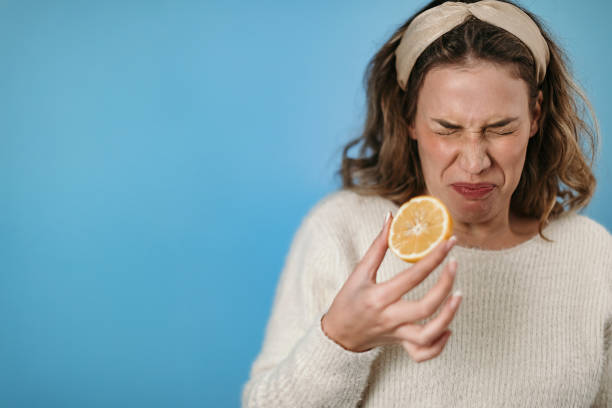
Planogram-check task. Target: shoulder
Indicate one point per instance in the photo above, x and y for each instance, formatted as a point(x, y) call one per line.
point(341, 209)
point(583, 227)
point(348, 220)
point(583, 240)
point(325, 217)
point(336, 202)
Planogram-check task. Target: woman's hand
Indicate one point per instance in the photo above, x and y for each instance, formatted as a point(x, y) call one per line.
point(365, 314)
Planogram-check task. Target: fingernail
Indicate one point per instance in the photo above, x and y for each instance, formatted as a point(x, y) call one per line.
point(456, 298)
point(387, 218)
point(451, 242)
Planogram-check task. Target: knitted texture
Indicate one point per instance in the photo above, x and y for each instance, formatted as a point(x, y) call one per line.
point(534, 328)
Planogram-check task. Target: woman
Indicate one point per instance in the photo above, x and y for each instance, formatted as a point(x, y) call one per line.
point(470, 102)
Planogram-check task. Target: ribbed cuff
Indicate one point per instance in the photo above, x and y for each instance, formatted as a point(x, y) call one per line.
point(317, 373)
point(333, 359)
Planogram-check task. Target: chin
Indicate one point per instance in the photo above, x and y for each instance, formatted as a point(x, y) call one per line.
point(471, 211)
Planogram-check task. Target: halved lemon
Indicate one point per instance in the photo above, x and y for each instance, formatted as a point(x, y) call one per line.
point(419, 225)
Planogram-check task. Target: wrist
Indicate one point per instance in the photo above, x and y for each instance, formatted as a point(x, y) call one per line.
point(327, 334)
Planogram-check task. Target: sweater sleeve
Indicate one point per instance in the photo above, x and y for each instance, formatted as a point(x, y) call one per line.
point(298, 365)
point(604, 395)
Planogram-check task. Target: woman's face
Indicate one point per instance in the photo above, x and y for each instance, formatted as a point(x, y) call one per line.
point(472, 125)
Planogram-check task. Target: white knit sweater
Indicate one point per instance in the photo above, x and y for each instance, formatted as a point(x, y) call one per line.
point(534, 328)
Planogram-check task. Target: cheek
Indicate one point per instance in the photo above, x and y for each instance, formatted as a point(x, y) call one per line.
point(511, 157)
point(434, 151)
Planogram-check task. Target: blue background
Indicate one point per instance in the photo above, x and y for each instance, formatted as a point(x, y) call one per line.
point(156, 158)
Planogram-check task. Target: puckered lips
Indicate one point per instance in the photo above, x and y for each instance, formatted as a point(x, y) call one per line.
point(471, 190)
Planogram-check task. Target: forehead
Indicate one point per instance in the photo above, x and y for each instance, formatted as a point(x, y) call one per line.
point(473, 92)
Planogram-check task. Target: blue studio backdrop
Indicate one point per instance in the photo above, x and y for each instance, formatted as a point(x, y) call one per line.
point(156, 158)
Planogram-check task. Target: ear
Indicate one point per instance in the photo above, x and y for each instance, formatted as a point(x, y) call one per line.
point(411, 131)
point(537, 113)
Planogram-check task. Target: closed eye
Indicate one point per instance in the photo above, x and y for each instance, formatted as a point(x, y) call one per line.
point(450, 133)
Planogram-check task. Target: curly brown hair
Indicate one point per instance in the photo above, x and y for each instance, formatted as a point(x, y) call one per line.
point(388, 163)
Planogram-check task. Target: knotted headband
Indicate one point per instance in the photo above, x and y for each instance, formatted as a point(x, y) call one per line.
point(433, 23)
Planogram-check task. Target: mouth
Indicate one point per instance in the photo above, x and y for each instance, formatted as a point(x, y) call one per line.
point(473, 190)
point(475, 186)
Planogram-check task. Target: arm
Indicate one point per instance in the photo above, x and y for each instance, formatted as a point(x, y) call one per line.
point(299, 366)
point(604, 395)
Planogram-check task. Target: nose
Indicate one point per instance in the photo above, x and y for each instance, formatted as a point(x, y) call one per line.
point(473, 157)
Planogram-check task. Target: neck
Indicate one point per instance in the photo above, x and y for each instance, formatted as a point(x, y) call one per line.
point(497, 233)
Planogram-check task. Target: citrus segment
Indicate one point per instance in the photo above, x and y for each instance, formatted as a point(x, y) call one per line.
point(419, 225)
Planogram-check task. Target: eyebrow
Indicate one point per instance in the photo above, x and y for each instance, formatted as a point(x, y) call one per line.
point(500, 123)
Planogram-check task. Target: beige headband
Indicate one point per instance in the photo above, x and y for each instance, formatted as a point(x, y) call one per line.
point(433, 23)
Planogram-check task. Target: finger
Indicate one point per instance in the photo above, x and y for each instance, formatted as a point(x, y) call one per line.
point(422, 335)
point(433, 328)
point(376, 253)
point(420, 354)
point(409, 311)
point(403, 282)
